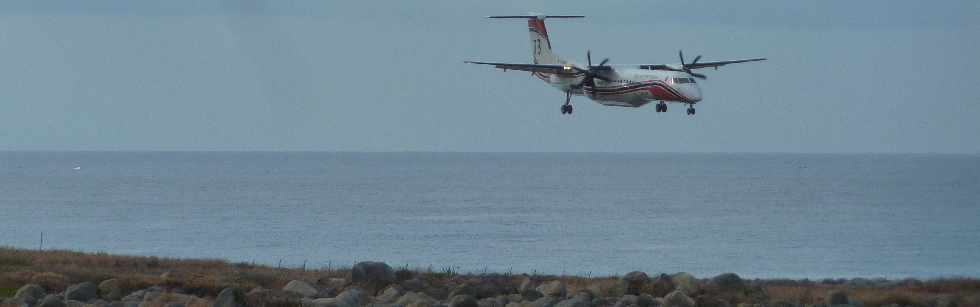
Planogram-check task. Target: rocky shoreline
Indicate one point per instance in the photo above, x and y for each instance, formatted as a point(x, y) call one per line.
point(70, 279)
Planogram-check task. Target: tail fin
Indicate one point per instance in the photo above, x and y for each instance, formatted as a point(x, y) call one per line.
point(540, 43)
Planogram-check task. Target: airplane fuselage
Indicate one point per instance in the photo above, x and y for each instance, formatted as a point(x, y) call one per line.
point(629, 86)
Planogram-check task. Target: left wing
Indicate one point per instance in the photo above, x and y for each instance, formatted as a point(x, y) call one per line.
point(542, 68)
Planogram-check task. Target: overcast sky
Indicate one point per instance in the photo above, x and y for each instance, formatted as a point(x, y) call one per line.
point(843, 76)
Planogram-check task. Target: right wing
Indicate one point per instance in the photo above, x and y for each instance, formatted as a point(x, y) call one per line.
point(720, 63)
point(542, 68)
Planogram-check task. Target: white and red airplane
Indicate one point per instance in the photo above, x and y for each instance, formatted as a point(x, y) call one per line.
point(611, 85)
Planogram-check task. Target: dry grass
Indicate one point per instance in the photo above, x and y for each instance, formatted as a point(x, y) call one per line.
point(910, 293)
point(55, 270)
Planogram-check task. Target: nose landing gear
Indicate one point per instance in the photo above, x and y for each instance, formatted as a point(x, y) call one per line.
point(661, 107)
point(690, 109)
point(567, 107)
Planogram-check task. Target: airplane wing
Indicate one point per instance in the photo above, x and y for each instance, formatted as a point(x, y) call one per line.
point(720, 63)
point(543, 68)
point(697, 65)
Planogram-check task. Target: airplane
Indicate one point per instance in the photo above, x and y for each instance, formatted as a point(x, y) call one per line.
point(610, 85)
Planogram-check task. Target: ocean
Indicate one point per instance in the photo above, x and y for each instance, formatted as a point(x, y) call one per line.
point(758, 215)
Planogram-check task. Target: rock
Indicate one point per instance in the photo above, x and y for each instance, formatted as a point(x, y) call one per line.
point(123, 304)
point(331, 282)
point(685, 282)
point(466, 288)
point(267, 297)
point(370, 272)
point(74, 303)
point(463, 300)
point(51, 300)
point(50, 281)
point(948, 301)
point(499, 301)
point(554, 288)
point(350, 298)
point(546, 301)
point(29, 294)
point(142, 295)
point(661, 286)
point(628, 300)
point(710, 301)
point(230, 297)
point(300, 287)
point(531, 295)
point(577, 301)
point(678, 299)
point(415, 299)
point(727, 282)
point(646, 300)
point(111, 289)
point(414, 285)
point(389, 294)
point(836, 297)
point(526, 284)
point(633, 282)
point(82, 292)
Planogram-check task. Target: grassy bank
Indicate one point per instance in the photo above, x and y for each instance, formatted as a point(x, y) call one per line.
point(57, 270)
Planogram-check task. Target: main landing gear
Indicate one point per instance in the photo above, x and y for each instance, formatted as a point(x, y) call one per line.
point(661, 107)
point(690, 109)
point(567, 107)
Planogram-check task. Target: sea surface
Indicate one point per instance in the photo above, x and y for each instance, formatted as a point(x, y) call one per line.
point(758, 215)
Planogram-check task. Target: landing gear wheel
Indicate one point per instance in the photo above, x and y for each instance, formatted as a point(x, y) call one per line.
point(570, 109)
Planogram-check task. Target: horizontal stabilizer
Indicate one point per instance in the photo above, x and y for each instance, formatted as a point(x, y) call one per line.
point(534, 16)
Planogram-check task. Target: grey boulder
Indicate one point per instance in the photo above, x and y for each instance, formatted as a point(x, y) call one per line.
point(372, 272)
point(633, 282)
point(111, 289)
point(230, 297)
point(51, 300)
point(463, 300)
point(678, 299)
point(29, 294)
point(685, 282)
point(82, 292)
point(301, 288)
point(415, 299)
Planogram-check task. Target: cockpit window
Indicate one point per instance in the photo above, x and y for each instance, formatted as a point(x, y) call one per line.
point(683, 80)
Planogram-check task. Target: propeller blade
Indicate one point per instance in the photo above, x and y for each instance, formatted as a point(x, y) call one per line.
point(588, 55)
point(604, 61)
point(697, 75)
point(696, 59)
point(680, 53)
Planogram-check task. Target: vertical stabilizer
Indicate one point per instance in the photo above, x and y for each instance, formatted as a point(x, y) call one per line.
point(540, 43)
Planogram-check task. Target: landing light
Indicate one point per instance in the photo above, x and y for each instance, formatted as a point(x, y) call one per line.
point(566, 67)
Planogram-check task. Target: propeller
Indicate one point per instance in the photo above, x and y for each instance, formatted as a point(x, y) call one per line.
point(592, 72)
point(685, 67)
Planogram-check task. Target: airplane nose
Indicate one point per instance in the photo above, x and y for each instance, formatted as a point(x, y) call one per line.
point(694, 93)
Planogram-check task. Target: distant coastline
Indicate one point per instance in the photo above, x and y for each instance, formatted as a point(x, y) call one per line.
point(59, 278)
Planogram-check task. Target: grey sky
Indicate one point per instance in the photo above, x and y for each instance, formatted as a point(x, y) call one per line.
point(843, 76)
